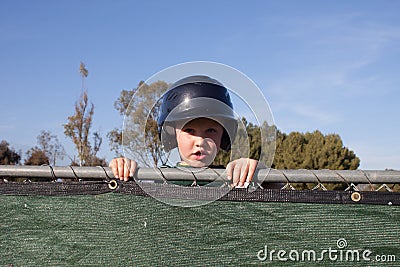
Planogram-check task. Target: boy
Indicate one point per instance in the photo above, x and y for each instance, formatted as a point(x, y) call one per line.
point(197, 117)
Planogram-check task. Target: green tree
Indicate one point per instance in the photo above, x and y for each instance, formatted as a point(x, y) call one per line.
point(313, 151)
point(289, 152)
point(8, 156)
point(248, 140)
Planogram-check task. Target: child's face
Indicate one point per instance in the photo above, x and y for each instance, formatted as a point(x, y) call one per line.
point(199, 141)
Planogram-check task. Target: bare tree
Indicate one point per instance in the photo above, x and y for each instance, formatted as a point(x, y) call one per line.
point(51, 146)
point(79, 126)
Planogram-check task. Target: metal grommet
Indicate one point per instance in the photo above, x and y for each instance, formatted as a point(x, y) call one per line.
point(355, 196)
point(112, 184)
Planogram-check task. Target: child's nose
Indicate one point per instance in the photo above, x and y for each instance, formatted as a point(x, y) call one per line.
point(199, 141)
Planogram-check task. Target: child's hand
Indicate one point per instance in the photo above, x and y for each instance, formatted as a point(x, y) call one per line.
point(123, 168)
point(241, 171)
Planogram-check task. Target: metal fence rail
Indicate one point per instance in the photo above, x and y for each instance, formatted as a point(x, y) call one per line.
point(162, 174)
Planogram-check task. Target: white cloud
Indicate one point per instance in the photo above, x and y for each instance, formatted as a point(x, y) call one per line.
point(314, 114)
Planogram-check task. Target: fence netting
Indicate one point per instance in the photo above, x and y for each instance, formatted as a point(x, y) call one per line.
point(98, 223)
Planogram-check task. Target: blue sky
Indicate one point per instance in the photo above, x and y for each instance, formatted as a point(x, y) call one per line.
point(326, 65)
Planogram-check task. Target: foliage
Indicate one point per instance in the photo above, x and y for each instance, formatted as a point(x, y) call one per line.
point(82, 70)
point(78, 129)
point(313, 151)
point(121, 105)
point(37, 156)
point(8, 156)
point(249, 141)
point(84, 73)
point(51, 146)
point(140, 133)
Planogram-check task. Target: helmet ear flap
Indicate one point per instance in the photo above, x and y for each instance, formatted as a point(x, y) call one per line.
point(228, 135)
point(225, 142)
point(168, 136)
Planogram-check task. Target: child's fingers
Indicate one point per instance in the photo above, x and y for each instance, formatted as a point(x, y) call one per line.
point(251, 170)
point(236, 170)
point(229, 169)
point(236, 174)
point(241, 171)
point(127, 167)
point(121, 168)
point(114, 167)
point(233, 172)
point(244, 171)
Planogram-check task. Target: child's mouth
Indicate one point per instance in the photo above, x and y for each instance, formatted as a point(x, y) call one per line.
point(198, 155)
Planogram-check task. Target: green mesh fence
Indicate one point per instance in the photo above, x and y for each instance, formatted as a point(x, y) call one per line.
point(126, 230)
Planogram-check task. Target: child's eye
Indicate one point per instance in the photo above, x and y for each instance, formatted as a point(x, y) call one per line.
point(211, 130)
point(188, 130)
